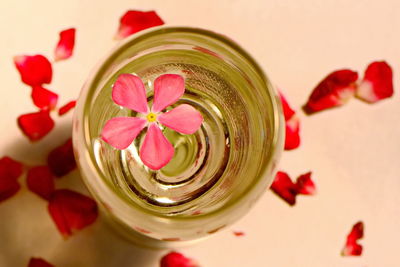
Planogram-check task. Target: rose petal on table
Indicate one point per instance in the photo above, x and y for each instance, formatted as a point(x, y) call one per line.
point(71, 211)
point(9, 186)
point(168, 88)
point(67, 107)
point(34, 70)
point(39, 262)
point(335, 90)
point(65, 46)
point(288, 112)
point(292, 138)
point(284, 187)
point(305, 185)
point(238, 233)
point(44, 98)
point(183, 119)
point(377, 83)
point(352, 248)
point(40, 181)
point(10, 168)
point(176, 259)
point(61, 160)
point(134, 21)
point(36, 125)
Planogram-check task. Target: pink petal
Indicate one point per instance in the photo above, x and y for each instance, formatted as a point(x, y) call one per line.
point(168, 88)
point(43, 98)
point(128, 91)
point(121, 131)
point(65, 45)
point(184, 119)
point(377, 83)
point(156, 150)
point(34, 70)
point(292, 139)
point(134, 21)
point(305, 185)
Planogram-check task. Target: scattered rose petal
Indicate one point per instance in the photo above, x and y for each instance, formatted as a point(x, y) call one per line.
point(8, 187)
point(284, 187)
point(65, 46)
point(39, 262)
point(134, 21)
point(292, 138)
point(176, 259)
point(43, 98)
point(377, 83)
point(183, 119)
point(238, 233)
point(352, 248)
point(34, 70)
point(36, 125)
point(67, 107)
point(168, 88)
point(71, 211)
point(305, 185)
point(10, 168)
point(128, 91)
point(40, 180)
point(61, 160)
point(288, 112)
point(335, 90)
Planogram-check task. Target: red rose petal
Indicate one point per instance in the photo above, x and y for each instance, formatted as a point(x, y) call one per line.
point(40, 180)
point(8, 187)
point(39, 262)
point(71, 211)
point(377, 83)
point(134, 21)
point(61, 160)
point(335, 90)
point(65, 46)
point(176, 259)
point(305, 185)
point(288, 112)
point(292, 138)
point(10, 168)
point(36, 125)
point(238, 233)
point(67, 107)
point(284, 187)
point(34, 70)
point(352, 248)
point(43, 98)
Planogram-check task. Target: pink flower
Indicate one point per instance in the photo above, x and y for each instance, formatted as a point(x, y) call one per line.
point(129, 91)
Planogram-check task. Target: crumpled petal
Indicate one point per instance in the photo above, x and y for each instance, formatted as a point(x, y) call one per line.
point(39, 262)
point(352, 248)
point(285, 188)
point(40, 181)
point(128, 91)
point(377, 83)
point(10, 168)
point(65, 45)
point(305, 185)
point(292, 138)
point(71, 211)
point(134, 21)
point(176, 259)
point(184, 119)
point(120, 132)
point(43, 98)
point(36, 125)
point(168, 88)
point(67, 107)
point(61, 160)
point(156, 150)
point(34, 70)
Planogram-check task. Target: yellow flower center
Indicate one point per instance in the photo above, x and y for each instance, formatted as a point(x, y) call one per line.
point(151, 117)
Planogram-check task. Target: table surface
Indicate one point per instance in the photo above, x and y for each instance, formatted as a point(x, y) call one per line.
point(353, 151)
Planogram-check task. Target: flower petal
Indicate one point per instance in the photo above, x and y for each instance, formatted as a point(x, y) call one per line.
point(40, 180)
point(61, 160)
point(335, 90)
point(36, 125)
point(288, 112)
point(134, 21)
point(168, 88)
point(156, 150)
point(238, 233)
point(71, 211)
point(43, 98)
point(184, 119)
point(377, 83)
point(284, 187)
point(305, 185)
point(128, 91)
point(65, 46)
point(10, 168)
point(67, 107)
point(39, 262)
point(121, 131)
point(352, 248)
point(292, 138)
point(176, 259)
point(34, 70)
point(8, 187)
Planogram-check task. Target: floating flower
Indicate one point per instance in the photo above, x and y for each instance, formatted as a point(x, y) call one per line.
point(129, 91)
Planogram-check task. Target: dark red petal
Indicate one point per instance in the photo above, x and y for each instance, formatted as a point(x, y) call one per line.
point(40, 180)
point(335, 90)
point(67, 107)
point(10, 168)
point(377, 83)
point(36, 125)
point(288, 112)
point(65, 46)
point(39, 262)
point(284, 187)
point(176, 259)
point(61, 160)
point(352, 248)
point(305, 185)
point(292, 138)
point(43, 98)
point(8, 187)
point(134, 21)
point(238, 233)
point(71, 211)
point(34, 70)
